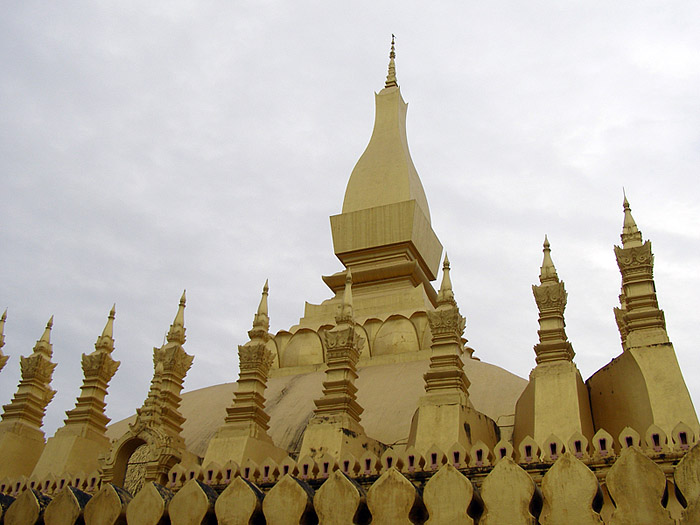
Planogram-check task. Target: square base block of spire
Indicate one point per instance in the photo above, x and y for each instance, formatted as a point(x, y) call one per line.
point(555, 401)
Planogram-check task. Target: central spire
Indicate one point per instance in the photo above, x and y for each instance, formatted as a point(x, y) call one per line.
point(385, 173)
point(383, 233)
point(391, 75)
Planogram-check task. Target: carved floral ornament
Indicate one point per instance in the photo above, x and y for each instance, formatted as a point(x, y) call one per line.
point(446, 321)
point(254, 355)
point(36, 367)
point(343, 338)
point(173, 359)
point(638, 257)
point(550, 297)
point(99, 364)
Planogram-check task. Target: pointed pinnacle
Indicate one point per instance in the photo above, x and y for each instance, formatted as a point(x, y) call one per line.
point(446, 295)
point(261, 320)
point(108, 329)
point(547, 271)
point(105, 342)
point(345, 312)
point(43, 345)
point(631, 236)
point(262, 307)
point(176, 334)
point(347, 293)
point(2, 332)
point(391, 75)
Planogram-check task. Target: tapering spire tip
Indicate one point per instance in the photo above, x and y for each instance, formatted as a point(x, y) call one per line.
point(391, 75)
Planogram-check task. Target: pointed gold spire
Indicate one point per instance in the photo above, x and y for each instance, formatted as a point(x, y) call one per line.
point(176, 334)
point(2, 328)
point(345, 313)
point(43, 345)
point(550, 296)
point(631, 236)
point(262, 319)
point(3, 358)
point(548, 273)
point(105, 342)
point(446, 295)
point(391, 75)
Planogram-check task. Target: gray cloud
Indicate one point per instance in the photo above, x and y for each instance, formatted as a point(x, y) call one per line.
point(203, 145)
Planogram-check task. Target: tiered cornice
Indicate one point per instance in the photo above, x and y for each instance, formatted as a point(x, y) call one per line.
point(639, 318)
point(550, 296)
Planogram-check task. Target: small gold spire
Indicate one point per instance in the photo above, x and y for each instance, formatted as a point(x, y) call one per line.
point(176, 334)
point(262, 319)
point(345, 312)
point(631, 236)
point(547, 271)
point(2, 328)
point(43, 345)
point(391, 75)
point(105, 341)
point(446, 295)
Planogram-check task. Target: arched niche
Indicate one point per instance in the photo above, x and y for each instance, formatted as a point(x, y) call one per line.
point(123, 459)
point(397, 335)
point(304, 348)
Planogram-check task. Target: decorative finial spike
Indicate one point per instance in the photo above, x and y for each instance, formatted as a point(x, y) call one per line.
point(2, 336)
point(262, 307)
point(109, 327)
point(547, 271)
point(347, 294)
point(105, 342)
point(631, 236)
point(43, 345)
point(446, 295)
point(345, 311)
point(391, 75)
point(261, 321)
point(176, 334)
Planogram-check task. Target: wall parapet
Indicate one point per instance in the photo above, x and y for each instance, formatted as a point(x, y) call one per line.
point(633, 484)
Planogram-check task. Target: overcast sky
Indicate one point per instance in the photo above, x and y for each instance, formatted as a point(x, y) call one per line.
point(148, 147)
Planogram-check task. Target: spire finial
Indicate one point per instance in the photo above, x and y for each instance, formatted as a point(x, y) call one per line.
point(391, 75)
point(262, 319)
point(2, 330)
point(176, 334)
point(105, 342)
point(345, 312)
point(43, 345)
point(547, 271)
point(631, 236)
point(446, 295)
